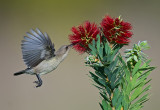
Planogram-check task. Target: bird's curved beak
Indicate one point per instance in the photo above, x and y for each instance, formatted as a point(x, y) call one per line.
point(71, 45)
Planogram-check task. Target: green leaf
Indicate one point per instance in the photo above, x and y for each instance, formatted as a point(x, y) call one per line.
point(129, 59)
point(95, 78)
point(129, 88)
point(146, 89)
point(144, 102)
point(108, 90)
point(105, 97)
point(111, 56)
point(113, 78)
point(125, 69)
point(101, 52)
point(108, 73)
point(147, 81)
point(113, 64)
point(136, 93)
point(141, 80)
point(147, 62)
point(93, 49)
point(137, 66)
point(116, 51)
point(115, 97)
point(126, 97)
point(100, 75)
point(144, 45)
point(139, 101)
point(135, 58)
point(106, 106)
point(125, 102)
point(118, 81)
point(101, 106)
point(103, 82)
point(93, 75)
point(109, 107)
point(145, 74)
point(93, 43)
point(146, 68)
point(137, 107)
point(105, 60)
point(107, 49)
point(98, 42)
point(118, 105)
point(97, 86)
point(135, 81)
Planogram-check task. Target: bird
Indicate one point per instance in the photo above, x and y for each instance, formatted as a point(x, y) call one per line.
point(40, 56)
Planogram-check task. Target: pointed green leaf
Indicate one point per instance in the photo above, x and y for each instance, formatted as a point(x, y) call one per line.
point(97, 86)
point(113, 64)
point(118, 105)
point(146, 68)
point(95, 78)
point(114, 78)
point(93, 43)
point(134, 80)
point(129, 88)
point(107, 49)
point(115, 97)
point(98, 43)
point(129, 59)
point(136, 93)
point(106, 106)
point(140, 100)
point(146, 89)
point(108, 90)
point(135, 58)
point(100, 75)
point(108, 73)
point(102, 81)
point(137, 66)
point(101, 106)
point(101, 52)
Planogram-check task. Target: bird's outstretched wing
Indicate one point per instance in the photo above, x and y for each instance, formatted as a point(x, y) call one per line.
point(36, 47)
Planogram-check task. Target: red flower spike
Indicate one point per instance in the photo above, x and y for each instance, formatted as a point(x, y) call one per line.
point(116, 30)
point(83, 35)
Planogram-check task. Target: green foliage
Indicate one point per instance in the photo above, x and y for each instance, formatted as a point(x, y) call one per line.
point(135, 87)
point(122, 86)
point(136, 54)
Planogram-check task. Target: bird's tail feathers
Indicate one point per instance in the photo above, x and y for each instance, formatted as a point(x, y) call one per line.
point(19, 73)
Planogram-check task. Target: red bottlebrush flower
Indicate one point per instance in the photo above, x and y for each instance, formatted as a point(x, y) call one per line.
point(83, 35)
point(116, 30)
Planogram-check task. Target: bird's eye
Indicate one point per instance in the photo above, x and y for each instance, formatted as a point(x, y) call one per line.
point(66, 47)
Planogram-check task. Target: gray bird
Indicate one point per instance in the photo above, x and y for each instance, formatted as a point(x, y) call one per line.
point(39, 54)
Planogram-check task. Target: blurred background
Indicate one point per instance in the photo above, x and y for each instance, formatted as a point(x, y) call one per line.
point(68, 87)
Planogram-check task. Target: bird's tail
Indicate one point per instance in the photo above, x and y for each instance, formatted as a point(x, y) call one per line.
point(19, 73)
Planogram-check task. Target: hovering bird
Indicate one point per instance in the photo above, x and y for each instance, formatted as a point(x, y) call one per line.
point(39, 54)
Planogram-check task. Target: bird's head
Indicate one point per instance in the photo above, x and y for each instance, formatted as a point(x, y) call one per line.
point(63, 50)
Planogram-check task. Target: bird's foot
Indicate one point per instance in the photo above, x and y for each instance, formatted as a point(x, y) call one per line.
point(39, 82)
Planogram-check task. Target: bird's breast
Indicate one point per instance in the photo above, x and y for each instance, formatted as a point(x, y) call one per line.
point(47, 66)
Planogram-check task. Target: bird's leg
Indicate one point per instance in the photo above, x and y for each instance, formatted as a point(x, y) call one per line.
point(39, 82)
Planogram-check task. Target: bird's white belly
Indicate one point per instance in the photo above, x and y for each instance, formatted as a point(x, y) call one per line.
point(46, 66)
